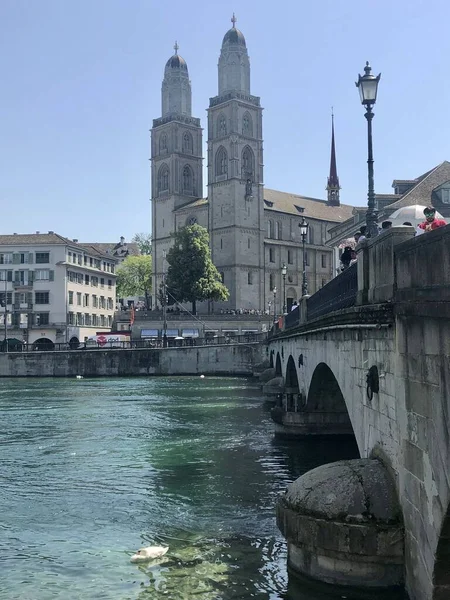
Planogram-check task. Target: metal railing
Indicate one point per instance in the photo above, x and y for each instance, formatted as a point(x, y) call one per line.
point(48, 346)
point(123, 316)
point(339, 293)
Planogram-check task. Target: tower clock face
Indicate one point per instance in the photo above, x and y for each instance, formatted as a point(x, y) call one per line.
point(192, 220)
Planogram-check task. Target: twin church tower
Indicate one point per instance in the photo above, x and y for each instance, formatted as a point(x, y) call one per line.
point(234, 210)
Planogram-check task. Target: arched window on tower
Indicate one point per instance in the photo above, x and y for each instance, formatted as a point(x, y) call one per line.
point(221, 126)
point(247, 125)
point(187, 143)
point(270, 229)
point(163, 143)
point(163, 179)
point(248, 164)
point(221, 161)
point(188, 181)
point(278, 231)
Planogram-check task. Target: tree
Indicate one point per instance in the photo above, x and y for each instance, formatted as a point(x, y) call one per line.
point(144, 242)
point(134, 277)
point(191, 275)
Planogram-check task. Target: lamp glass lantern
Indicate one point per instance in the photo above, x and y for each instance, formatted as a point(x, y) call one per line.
point(368, 86)
point(284, 270)
point(304, 228)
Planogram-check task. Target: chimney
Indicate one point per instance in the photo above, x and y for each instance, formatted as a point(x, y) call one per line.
point(75, 240)
point(122, 240)
point(51, 232)
point(38, 232)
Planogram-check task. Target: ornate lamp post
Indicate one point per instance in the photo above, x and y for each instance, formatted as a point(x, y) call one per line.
point(283, 272)
point(368, 86)
point(304, 232)
point(269, 304)
point(274, 303)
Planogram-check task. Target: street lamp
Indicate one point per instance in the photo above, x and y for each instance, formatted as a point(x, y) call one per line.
point(269, 304)
point(283, 272)
point(304, 232)
point(368, 86)
point(274, 303)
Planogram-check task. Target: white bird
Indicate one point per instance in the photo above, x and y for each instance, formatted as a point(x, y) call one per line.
point(149, 553)
point(79, 376)
point(202, 377)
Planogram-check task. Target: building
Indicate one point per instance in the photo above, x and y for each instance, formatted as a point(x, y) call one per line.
point(253, 230)
point(430, 188)
point(56, 290)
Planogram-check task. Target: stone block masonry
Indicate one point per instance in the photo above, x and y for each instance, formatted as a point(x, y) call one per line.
point(238, 360)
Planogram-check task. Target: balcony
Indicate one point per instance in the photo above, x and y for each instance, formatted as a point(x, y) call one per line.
point(22, 285)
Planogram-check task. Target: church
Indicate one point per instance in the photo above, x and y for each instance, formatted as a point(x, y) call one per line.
point(254, 231)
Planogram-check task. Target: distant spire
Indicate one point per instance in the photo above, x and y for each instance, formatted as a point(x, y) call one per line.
point(233, 20)
point(176, 47)
point(333, 186)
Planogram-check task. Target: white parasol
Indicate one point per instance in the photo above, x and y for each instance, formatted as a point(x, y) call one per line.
point(410, 214)
point(348, 242)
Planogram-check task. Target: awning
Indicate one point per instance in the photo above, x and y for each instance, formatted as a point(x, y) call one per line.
point(171, 333)
point(149, 333)
point(250, 331)
point(190, 333)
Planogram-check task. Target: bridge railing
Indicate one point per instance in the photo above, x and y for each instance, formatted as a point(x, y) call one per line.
point(340, 292)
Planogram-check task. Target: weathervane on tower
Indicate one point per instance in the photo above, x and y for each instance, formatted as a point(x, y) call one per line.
point(233, 20)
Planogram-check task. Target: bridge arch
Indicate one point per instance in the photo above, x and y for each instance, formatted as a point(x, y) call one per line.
point(441, 574)
point(278, 369)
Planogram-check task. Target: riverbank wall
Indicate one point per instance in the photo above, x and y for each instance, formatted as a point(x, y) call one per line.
point(239, 359)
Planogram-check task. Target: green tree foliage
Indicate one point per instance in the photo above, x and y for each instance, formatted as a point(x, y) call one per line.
point(134, 277)
point(144, 242)
point(191, 275)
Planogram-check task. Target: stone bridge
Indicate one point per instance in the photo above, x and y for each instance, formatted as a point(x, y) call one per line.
point(369, 355)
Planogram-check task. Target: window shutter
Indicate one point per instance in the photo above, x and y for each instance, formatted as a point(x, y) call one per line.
point(30, 276)
point(16, 277)
point(16, 259)
point(30, 258)
point(51, 275)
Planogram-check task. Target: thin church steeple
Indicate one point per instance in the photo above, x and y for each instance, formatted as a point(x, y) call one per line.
point(333, 186)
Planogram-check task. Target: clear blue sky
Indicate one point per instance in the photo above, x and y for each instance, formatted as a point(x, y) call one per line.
point(81, 84)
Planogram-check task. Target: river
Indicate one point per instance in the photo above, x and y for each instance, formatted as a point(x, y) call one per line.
point(93, 469)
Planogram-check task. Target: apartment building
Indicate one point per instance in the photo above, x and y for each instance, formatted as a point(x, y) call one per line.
point(54, 290)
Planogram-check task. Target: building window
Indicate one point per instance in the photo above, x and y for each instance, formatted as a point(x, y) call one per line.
point(42, 318)
point(310, 236)
point(86, 280)
point(221, 126)
point(248, 243)
point(271, 254)
point(248, 163)
point(102, 282)
point(109, 284)
point(324, 261)
point(221, 161)
point(270, 229)
point(307, 259)
point(250, 278)
point(6, 275)
point(278, 231)
point(110, 304)
point(86, 300)
point(87, 319)
point(78, 298)
point(188, 181)
point(221, 243)
point(8, 298)
point(163, 143)
point(94, 301)
point(247, 125)
point(163, 179)
point(290, 261)
point(6, 258)
point(70, 297)
point(94, 320)
point(222, 276)
point(42, 298)
point(187, 143)
point(42, 275)
point(94, 281)
point(271, 281)
point(42, 258)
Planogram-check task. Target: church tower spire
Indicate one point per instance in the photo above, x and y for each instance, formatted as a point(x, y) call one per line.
point(234, 64)
point(333, 186)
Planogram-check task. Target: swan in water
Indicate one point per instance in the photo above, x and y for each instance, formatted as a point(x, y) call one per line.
point(149, 553)
point(79, 376)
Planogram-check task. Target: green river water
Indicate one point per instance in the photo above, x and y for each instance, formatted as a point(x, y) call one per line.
point(93, 469)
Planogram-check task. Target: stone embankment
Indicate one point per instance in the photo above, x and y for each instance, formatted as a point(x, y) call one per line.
point(238, 360)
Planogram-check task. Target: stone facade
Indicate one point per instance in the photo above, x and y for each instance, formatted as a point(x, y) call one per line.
point(253, 231)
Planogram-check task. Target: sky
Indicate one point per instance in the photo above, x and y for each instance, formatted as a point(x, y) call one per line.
point(81, 83)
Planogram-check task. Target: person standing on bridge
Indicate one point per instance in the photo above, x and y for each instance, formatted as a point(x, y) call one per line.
point(430, 222)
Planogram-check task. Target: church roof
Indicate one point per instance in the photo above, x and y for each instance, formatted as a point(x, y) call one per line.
point(114, 248)
point(312, 208)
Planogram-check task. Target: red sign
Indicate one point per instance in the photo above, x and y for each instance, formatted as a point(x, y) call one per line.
point(101, 340)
